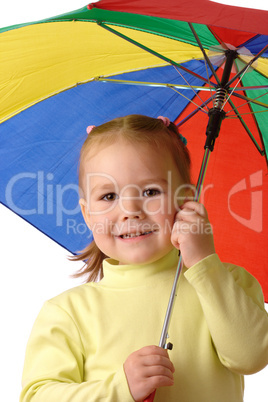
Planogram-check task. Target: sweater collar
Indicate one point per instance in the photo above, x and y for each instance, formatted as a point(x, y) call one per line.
point(127, 276)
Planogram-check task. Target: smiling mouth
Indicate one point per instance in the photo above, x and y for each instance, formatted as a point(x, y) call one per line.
point(133, 235)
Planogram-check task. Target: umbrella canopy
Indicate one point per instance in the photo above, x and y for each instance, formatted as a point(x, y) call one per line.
point(114, 58)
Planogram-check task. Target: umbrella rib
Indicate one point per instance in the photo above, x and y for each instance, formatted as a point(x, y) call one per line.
point(192, 87)
point(261, 151)
point(212, 97)
point(192, 113)
point(244, 114)
point(150, 84)
point(190, 100)
point(247, 66)
point(166, 59)
point(249, 88)
point(204, 54)
point(249, 101)
point(233, 89)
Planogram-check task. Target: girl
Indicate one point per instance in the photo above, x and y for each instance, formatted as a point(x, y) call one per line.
point(96, 342)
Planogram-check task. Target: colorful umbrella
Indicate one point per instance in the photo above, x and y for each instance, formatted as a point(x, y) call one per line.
point(114, 58)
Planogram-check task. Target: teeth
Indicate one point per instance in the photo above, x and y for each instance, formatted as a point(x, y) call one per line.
point(130, 235)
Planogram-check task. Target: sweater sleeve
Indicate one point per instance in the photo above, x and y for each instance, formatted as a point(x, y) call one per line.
point(232, 302)
point(53, 369)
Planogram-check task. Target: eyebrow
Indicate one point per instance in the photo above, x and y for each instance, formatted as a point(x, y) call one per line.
point(106, 186)
point(111, 187)
point(154, 180)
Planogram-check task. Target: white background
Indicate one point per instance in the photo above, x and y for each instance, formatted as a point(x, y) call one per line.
point(34, 268)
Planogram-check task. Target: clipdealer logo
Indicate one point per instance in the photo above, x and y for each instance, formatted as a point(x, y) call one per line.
point(48, 199)
point(255, 221)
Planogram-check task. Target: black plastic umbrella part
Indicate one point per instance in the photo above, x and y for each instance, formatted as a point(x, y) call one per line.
point(217, 114)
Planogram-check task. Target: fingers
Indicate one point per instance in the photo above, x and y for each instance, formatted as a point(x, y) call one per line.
point(192, 217)
point(191, 210)
point(153, 350)
point(157, 359)
point(148, 369)
point(192, 233)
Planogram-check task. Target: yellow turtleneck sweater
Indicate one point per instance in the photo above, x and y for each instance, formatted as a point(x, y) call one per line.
point(82, 337)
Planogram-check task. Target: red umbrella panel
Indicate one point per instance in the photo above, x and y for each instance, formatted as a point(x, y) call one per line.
point(235, 191)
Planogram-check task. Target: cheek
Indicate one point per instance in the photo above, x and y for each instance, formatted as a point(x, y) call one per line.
point(105, 245)
point(158, 205)
point(100, 224)
point(101, 207)
point(152, 206)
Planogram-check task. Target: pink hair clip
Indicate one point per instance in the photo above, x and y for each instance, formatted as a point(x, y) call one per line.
point(89, 129)
point(165, 120)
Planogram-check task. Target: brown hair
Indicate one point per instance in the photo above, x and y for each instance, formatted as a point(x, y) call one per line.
point(133, 128)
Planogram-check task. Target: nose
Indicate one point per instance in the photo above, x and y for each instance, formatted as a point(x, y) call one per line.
point(131, 208)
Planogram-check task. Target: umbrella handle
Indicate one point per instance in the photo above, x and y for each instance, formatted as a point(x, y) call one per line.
point(150, 398)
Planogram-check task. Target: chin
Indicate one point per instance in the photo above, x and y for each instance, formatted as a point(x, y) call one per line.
point(141, 259)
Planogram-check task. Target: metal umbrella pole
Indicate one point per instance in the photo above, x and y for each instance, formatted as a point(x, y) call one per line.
point(216, 116)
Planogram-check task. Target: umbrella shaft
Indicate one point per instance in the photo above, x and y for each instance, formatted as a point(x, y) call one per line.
point(231, 55)
point(164, 335)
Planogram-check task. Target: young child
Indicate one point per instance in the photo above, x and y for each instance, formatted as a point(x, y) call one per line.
point(96, 342)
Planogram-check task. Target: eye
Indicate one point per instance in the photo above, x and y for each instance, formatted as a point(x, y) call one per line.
point(151, 192)
point(110, 197)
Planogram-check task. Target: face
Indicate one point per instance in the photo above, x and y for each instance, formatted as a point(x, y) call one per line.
point(132, 193)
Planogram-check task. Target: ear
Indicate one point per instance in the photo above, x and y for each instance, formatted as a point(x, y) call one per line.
point(85, 211)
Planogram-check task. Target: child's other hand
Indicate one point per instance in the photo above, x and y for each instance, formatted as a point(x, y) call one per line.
point(192, 233)
point(147, 369)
